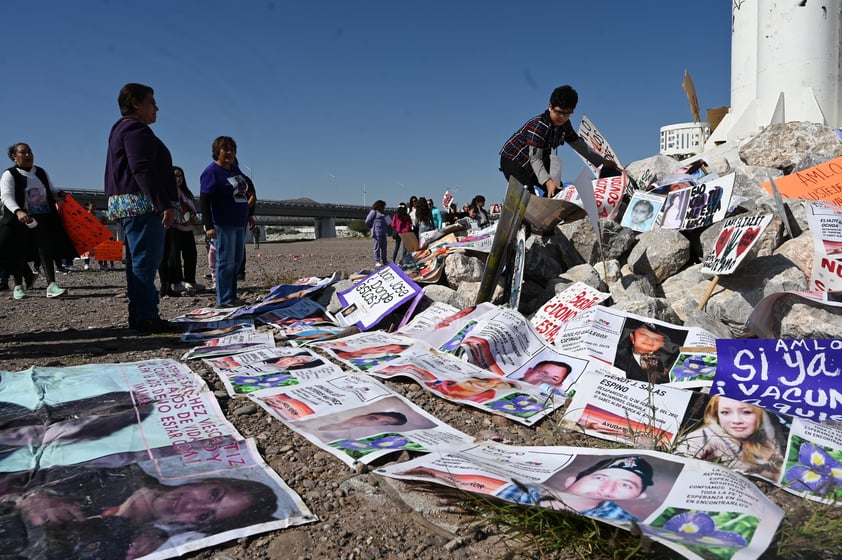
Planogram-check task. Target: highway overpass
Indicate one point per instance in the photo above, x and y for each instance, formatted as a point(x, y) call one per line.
point(324, 217)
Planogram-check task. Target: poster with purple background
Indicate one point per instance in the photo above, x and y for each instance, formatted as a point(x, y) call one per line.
point(801, 377)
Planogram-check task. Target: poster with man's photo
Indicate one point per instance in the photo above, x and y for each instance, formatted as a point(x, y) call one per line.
point(645, 349)
point(356, 418)
point(642, 211)
point(693, 507)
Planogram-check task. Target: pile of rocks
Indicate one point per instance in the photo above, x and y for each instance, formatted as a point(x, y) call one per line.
point(657, 273)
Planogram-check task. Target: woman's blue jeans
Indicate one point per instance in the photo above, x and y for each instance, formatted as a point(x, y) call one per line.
point(230, 252)
point(144, 250)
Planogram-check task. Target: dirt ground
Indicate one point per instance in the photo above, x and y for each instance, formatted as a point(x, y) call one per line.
point(361, 515)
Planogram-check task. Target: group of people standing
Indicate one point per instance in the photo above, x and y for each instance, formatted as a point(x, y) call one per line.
point(419, 216)
point(150, 199)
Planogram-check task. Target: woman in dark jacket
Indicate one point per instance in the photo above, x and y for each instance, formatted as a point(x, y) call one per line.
point(142, 195)
point(30, 222)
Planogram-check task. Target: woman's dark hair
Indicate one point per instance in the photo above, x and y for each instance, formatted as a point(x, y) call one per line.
point(262, 509)
point(131, 93)
point(400, 417)
point(222, 142)
point(110, 413)
point(13, 149)
point(423, 213)
point(379, 205)
point(183, 181)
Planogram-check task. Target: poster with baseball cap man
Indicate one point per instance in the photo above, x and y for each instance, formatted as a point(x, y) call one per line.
point(592, 491)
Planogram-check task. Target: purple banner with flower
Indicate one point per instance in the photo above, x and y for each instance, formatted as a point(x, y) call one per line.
point(799, 377)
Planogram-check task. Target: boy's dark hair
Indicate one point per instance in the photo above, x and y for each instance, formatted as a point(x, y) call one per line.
point(564, 97)
point(643, 203)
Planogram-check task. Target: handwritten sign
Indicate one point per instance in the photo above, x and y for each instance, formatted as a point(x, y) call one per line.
point(821, 182)
point(375, 296)
point(608, 193)
point(800, 377)
point(565, 307)
point(708, 202)
point(738, 235)
point(596, 141)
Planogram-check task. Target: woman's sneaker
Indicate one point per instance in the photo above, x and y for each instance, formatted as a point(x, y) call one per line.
point(54, 290)
point(19, 293)
point(194, 287)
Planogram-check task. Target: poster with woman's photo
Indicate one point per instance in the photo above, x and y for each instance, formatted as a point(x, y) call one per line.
point(365, 351)
point(456, 380)
point(798, 455)
point(128, 460)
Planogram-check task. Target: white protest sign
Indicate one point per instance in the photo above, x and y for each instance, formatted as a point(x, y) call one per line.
point(597, 142)
point(375, 296)
point(825, 221)
point(565, 307)
point(608, 193)
point(737, 236)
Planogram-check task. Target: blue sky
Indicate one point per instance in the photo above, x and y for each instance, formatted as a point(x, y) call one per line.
point(349, 102)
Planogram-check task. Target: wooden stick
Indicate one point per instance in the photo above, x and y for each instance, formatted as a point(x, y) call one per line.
point(707, 295)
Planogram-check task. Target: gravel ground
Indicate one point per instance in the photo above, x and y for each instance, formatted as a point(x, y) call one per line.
point(361, 514)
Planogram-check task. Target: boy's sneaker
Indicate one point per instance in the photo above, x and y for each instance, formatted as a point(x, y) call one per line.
point(54, 290)
point(19, 293)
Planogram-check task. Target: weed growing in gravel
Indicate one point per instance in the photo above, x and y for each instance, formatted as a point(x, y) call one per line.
point(547, 533)
point(810, 530)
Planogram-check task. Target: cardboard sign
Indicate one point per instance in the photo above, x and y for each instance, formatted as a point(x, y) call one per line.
point(738, 235)
point(83, 228)
point(821, 182)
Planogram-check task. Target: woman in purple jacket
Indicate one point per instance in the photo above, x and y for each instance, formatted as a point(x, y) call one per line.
point(142, 195)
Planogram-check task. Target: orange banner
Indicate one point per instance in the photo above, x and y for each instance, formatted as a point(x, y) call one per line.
point(82, 227)
point(109, 251)
point(822, 182)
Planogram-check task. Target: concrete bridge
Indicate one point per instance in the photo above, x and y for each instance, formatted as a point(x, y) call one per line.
point(324, 217)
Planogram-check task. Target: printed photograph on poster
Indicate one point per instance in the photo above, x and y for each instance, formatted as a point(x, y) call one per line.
point(647, 351)
point(641, 212)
